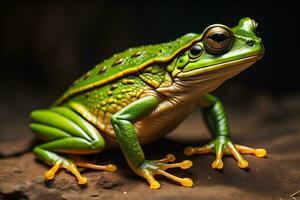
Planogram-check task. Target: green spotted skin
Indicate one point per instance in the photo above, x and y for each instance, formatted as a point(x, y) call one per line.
point(129, 62)
point(112, 97)
point(98, 105)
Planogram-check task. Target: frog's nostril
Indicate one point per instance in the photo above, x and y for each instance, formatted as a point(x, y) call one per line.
point(250, 43)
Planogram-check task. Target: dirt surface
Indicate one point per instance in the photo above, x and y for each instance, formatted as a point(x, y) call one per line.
point(271, 124)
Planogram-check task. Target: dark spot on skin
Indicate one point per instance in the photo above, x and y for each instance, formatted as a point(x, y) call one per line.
point(102, 69)
point(136, 54)
point(114, 86)
point(87, 75)
point(119, 61)
point(86, 95)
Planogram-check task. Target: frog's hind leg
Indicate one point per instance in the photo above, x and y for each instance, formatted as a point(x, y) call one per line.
point(58, 162)
point(49, 152)
point(66, 132)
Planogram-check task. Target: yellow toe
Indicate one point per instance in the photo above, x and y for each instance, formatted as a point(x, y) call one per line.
point(260, 153)
point(187, 182)
point(51, 172)
point(83, 180)
point(154, 185)
point(111, 168)
point(49, 175)
point(189, 151)
point(172, 158)
point(186, 164)
point(218, 163)
point(243, 164)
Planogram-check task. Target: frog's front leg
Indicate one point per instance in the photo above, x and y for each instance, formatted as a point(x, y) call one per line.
point(215, 119)
point(127, 139)
point(66, 132)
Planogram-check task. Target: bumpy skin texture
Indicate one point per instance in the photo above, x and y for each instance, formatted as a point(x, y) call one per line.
point(143, 93)
point(128, 62)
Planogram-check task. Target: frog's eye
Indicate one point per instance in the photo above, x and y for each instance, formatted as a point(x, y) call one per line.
point(217, 39)
point(195, 51)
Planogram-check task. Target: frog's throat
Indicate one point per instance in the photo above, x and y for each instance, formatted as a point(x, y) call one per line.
point(204, 80)
point(241, 64)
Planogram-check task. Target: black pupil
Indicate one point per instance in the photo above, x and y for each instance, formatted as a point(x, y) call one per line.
point(196, 50)
point(218, 37)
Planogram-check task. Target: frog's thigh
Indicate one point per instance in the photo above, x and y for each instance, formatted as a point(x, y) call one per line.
point(67, 131)
point(48, 133)
point(61, 141)
point(72, 145)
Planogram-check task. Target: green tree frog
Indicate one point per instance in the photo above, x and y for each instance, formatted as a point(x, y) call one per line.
point(141, 94)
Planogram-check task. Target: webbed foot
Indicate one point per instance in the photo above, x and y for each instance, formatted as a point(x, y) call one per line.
point(150, 168)
point(224, 146)
point(68, 165)
point(72, 167)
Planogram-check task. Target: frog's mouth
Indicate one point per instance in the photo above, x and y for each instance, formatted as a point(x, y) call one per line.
point(229, 67)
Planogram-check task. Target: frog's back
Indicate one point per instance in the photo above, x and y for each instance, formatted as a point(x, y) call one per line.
point(129, 62)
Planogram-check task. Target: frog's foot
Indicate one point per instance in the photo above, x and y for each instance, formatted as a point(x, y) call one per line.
point(72, 167)
point(223, 145)
point(82, 163)
point(150, 168)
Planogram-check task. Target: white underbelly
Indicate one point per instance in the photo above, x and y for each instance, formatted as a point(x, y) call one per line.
point(157, 125)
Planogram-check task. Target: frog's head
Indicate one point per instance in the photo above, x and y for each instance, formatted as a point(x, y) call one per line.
point(221, 53)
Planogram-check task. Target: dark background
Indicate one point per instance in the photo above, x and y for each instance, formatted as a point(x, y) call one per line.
point(46, 46)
